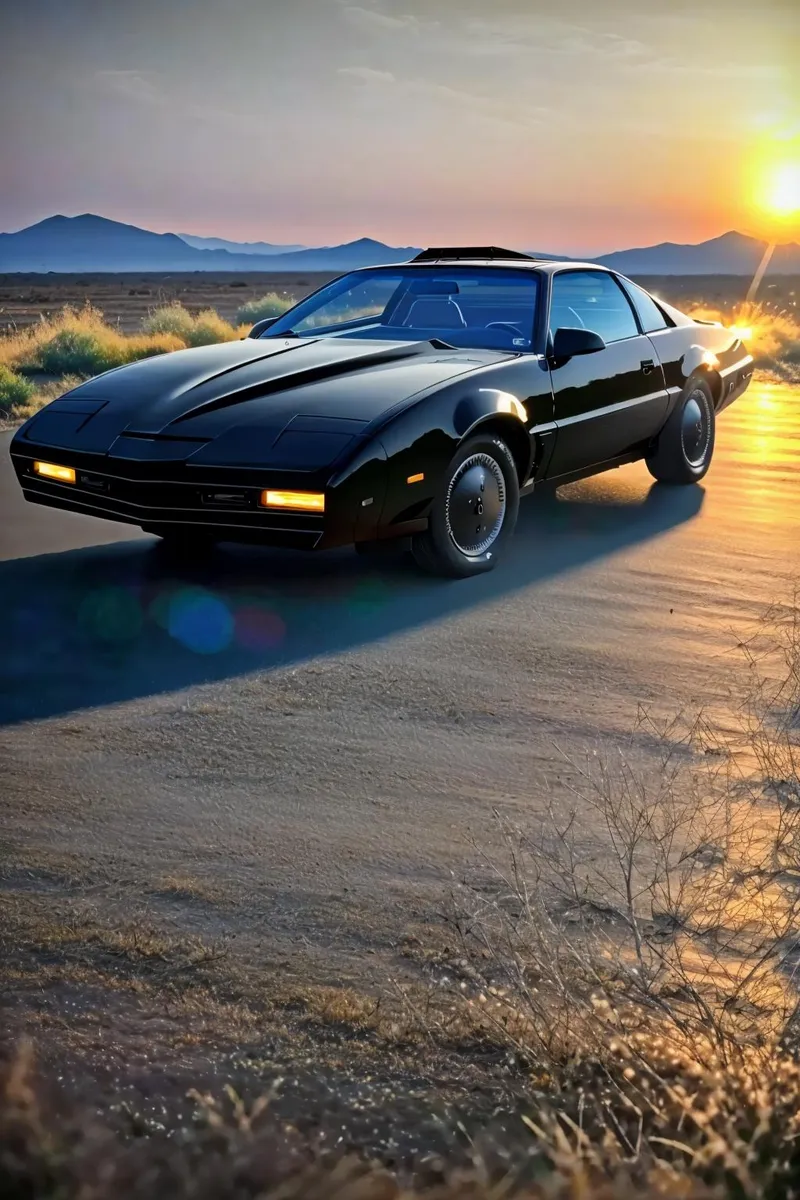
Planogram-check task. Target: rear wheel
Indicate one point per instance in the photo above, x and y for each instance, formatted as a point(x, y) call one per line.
point(474, 511)
point(685, 445)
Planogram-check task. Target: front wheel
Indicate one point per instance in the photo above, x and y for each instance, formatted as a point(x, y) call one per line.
point(474, 511)
point(685, 445)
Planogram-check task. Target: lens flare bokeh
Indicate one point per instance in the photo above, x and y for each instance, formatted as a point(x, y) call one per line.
point(111, 614)
point(200, 621)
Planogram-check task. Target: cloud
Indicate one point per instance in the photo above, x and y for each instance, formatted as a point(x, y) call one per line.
point(516, 34)
point(613, 45)
point(367, 75)
point(374, 21)
point(705, 70)
point(508, 112)
point(144, 88)
point(132, 85)
point(557, 41)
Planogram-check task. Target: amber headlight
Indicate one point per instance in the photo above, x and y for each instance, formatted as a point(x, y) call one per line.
point(53, 471)
point(299, 501)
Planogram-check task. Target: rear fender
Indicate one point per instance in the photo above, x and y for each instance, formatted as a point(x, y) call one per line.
point(701, 363)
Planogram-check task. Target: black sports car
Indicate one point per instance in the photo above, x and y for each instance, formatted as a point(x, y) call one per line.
point(419, 400)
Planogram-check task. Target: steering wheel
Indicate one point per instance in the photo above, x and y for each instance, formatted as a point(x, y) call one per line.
point(506, 326)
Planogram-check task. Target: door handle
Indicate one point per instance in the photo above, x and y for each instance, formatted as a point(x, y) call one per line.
point(648, 365)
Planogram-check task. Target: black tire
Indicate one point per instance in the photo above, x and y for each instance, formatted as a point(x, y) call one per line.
point(480, 482)
point(685, 445)
point(183, 540)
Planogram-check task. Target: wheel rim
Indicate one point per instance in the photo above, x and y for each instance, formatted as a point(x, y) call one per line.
point(476, 505)
point(696, 428)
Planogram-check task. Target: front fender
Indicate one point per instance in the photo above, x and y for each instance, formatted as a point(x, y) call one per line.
point(484, 404)
point(421, 441)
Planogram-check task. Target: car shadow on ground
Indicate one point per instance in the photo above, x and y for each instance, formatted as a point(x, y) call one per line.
point(110, 623)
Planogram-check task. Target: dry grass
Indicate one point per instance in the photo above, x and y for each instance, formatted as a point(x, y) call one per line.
point(37, 929)
point(42, 392)
point(78, 343)
point(649, 985)
point(240, 1151)
point(772, 336)
point(192, 329)
point(16, 392)
point(271, 305)
point(41, 361)
point(72, 346)
point(717, 1136)
point(180, 886)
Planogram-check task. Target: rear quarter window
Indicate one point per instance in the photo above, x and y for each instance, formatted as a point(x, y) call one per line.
point(650, 315)
point(592, 300)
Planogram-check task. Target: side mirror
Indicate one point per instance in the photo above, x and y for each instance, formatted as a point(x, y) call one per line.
point(569, 342)
point(260, 326)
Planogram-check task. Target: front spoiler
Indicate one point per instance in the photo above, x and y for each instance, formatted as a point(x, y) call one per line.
point(102, 490)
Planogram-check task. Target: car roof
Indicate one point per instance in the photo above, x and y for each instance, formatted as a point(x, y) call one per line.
point(515, 262)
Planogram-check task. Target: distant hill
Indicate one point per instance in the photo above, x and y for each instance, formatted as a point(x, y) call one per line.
point(90, 243)
point(731, 254)
point(364, 253)
point(212, 243)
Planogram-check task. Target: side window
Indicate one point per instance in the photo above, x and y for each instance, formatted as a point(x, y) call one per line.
point(650, 314)
point(591, 300)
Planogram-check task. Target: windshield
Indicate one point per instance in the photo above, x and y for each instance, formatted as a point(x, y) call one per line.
point(474, 307)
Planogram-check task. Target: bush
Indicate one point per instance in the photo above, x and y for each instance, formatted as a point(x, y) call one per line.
point(15, 392)
point(271, 305)
point(148, 345)
point(78, 352)
point(75, 352)
point(79, 343)
point(202, 329)
point(209, 327)
point(81, 335)
point(170, 318)
point(45, 392)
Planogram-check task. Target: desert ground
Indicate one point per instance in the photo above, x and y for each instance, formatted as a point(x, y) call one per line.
point(242, 801)
point(225, 861)
point(127, 299)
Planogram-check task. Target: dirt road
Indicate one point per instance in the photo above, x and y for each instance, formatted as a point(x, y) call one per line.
point(315, 740)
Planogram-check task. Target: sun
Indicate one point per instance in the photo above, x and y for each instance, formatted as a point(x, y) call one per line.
point(782, 191)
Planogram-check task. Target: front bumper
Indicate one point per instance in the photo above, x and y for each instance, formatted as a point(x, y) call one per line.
point(171, 494)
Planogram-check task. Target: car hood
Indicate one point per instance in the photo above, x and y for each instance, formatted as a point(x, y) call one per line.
point(243, 395)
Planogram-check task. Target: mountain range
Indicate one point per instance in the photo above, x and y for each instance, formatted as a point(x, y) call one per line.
point(213, 243)
point(91, 243)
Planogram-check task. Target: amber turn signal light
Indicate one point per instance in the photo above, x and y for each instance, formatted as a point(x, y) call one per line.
point(300, 501)
point(416, 478)
point(52, 471)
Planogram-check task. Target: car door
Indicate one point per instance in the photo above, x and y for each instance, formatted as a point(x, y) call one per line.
point(610, 402)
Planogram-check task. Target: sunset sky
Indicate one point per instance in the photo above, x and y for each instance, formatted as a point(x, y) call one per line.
point(571, 126)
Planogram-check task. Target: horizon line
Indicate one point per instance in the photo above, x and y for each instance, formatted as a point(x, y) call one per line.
point(301, 247)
